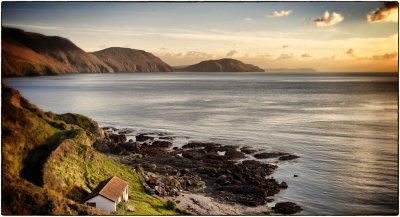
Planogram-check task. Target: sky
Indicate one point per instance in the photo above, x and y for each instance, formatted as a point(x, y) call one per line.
point(326, 36)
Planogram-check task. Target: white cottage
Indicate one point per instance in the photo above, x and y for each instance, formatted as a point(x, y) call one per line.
point(108, 194)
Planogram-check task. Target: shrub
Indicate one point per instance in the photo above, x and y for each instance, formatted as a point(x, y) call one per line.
point(170, 205)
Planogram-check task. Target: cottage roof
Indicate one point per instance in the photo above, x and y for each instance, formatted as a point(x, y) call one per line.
point(111, 189)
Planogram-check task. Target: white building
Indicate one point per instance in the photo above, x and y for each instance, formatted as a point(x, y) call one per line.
point(108, 194)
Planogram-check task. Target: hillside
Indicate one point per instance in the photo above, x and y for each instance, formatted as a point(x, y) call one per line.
point(49, 164)
point(26, 53)
point(221, 65)
point(131, 60)
point(30, 54)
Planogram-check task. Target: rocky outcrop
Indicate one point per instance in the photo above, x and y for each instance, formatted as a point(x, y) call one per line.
point(286, 208)
point(288, 157)
point(221, 65)
point(265, 155)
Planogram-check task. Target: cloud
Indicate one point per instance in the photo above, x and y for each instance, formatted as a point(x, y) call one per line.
point(328, 19)
point(388, 13)
point(285, 56)
point(305, 55)
point(385, 56)
point(285, 46)
point(197, 54)
point(281, 13)
point(350, 52)
point(248, 19)
point(232, 53)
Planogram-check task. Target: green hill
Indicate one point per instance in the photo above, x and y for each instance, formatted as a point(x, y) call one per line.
point(49, 164)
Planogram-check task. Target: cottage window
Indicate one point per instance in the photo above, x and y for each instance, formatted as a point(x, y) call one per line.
point(93, 204)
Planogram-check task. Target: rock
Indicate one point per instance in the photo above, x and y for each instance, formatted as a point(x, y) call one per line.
point(143, 137)
point(194, 154)
point(109, 128)
point(131, 146)
point(166, 137)
point(152, 166)
point(258, 167)
point(131, 140)
point(125, 131)
point(224, 180)
point(175, 148)
point(295, 175)
point(269, 200)
point(162, 144)
point(266, 155)
point(286, 208)
point(210, 171)
point(116, 138)
point(130, 208)
point(244, 190)
point(231, 153)
point(288, 157)
point(246, 195)
point(102, 147)
point(283, 184)
point(115, 148)
point(247, 150)
point(185, 171)
point(199, 145)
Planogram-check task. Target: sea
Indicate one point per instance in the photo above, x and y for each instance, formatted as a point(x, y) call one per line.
point(343, 126)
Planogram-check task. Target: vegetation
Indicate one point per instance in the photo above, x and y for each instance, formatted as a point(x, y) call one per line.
point(49, 164)
point(170, 205)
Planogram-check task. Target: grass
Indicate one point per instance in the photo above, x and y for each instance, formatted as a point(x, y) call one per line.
point(85, 169)
point(48, 164)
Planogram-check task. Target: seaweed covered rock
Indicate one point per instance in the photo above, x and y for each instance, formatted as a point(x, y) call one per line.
point(286, 208)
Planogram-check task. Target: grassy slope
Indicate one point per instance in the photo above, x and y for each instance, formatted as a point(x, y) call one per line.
point(47, 162)
point(82, 168)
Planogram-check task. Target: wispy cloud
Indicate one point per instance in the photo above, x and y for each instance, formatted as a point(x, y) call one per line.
point(385, 56)
point(281, 13)
point(350, 52)
point(388, 13)
point(285, 56)
point(328, 19)
point(306, 55)
point(248, 19)
point(232, 53)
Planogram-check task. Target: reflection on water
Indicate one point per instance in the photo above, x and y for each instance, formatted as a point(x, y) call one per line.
point(344, 127)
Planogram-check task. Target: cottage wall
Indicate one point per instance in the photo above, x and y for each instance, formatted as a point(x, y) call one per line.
point(125, 194)
point(103, 203)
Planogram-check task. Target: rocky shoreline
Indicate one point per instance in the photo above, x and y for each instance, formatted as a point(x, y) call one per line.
point(216, 175)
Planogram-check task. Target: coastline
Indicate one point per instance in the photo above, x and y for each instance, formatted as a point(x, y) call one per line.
point(202, 178)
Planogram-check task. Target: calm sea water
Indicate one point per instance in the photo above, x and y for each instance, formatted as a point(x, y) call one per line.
point(344, 127)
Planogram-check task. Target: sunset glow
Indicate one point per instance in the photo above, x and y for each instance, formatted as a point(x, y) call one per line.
point(326, 36)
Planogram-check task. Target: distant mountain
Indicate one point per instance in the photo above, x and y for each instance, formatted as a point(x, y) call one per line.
point(26, 53)
point(131, 60)
point(221, 65)
point(291, 70)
